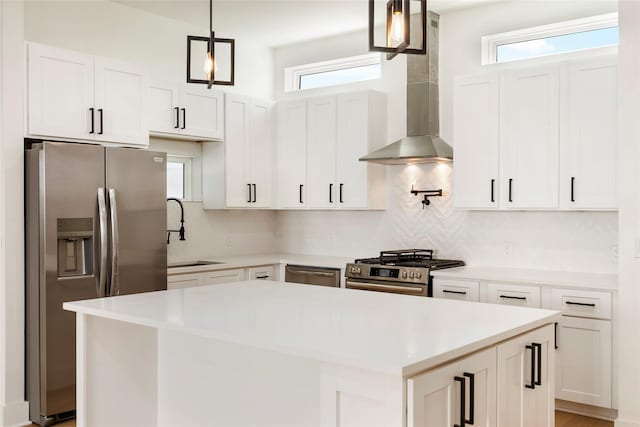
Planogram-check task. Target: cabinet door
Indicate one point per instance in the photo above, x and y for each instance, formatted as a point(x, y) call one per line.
point(433, 398)
point(237, 151)
point(589, 134)
point(180, 281)
point(321, 152)
point(261, 154)
point(583, 361)
point(508, 294)
point(163, 114)
point(352, 143)
point(202, 113)
point(261, 273)
point(465, 290)
point(525, 380)
point(529, 137)
point(60, 92)
point(480, 369)
point(476, 127)
point(292, 153)
point(223, 276)
point(121, 94)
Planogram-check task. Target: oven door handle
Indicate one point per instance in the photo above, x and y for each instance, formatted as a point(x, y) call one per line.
point(380, 287)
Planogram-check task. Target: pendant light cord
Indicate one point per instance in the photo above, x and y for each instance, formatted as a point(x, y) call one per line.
point(210, 16)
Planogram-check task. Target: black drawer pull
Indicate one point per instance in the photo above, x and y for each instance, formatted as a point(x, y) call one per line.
point(447, 291)
point(249, 187)
point(532, 384)
point(472, 393)
point(539, 362)
point(177, 126)
point(255, 191)
point(341, 185)
point(330, 193)
point(301, 185)
point(585, 304)
point(512, 297)
point(92, 111)
point(101, 113)
point(184, 118)
point(493, 199)
point(573, 181)
point(510, 190)
point(463, 400)
point(262, 277)
point(555, 335)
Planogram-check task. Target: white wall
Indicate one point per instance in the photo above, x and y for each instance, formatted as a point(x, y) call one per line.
point(629, 273)
point(114, 30)
point(550, 240)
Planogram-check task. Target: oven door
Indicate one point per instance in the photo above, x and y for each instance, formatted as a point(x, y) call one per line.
point(388, 286)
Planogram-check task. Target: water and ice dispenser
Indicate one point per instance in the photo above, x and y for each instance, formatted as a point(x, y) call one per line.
point(75, 247)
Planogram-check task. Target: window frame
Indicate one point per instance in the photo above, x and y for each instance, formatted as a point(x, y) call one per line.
point(490, 43)
point(187, 174)
point(293, 75)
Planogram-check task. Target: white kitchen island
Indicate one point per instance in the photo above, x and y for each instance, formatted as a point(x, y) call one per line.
point(262, 353)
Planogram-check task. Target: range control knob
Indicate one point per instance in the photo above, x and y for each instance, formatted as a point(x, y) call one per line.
point(418, 275)
point(411, 274)
point(404, 274)
point(355, 270)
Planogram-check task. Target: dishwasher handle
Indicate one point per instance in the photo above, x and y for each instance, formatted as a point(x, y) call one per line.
point(311, 275)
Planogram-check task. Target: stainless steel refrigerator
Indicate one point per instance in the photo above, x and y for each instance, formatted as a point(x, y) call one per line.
point(95, 227)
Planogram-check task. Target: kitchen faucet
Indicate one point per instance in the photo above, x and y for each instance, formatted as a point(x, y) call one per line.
point(181, 230)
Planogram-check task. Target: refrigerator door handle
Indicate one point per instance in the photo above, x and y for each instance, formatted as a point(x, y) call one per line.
point(114, 288)
point(102, 218)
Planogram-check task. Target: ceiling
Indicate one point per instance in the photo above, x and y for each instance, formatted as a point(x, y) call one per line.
point(278, 22)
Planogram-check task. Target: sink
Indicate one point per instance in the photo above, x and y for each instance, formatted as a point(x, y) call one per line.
point(193, 263)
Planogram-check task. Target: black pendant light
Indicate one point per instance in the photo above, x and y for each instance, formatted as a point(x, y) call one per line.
point(214, 46)
point(398, 27)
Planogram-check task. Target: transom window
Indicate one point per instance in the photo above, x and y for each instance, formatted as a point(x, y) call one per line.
point(179, 177)
point(563, 37)
point(332, 73)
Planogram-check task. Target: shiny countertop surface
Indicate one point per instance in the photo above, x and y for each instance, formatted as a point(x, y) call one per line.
point(387, 333)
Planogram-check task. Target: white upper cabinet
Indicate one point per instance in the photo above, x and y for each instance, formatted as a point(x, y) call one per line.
point(60, 92)
point(477, 142)
point(589, 134)
point(185, 112)
point(321, 152)
point(292, 153)
point(237, 151)
point(319, 143)
point(261, 154)
point(529, 137)
point(120, 96)
point(83, 97)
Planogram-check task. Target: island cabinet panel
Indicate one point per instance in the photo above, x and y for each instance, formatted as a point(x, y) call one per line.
point(466, 389)
point(525, 380)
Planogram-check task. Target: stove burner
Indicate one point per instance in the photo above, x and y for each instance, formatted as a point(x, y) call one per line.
point(411, 258)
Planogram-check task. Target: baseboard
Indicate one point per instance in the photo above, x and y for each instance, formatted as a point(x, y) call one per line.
point(14, 414)
point(587, 410)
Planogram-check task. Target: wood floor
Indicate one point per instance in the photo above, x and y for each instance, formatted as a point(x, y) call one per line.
point(563, 419)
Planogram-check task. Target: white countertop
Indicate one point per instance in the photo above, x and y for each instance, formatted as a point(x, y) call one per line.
point(264, 259)
point(599, 281)
point(394, 334)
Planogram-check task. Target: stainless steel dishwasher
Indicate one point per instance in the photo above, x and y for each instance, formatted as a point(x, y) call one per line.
point(310, 275)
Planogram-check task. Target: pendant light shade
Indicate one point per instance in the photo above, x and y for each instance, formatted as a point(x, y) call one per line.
point(210, 60)
point(398, 36)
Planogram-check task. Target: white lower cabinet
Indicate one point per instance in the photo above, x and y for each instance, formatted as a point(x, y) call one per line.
point(180, 281)
point(513, 294)
point(223, 276)
point(583, 359)
point(266, 272)
point(508, 385)
point(216, 277)
point(466, 290)
point(525, 380)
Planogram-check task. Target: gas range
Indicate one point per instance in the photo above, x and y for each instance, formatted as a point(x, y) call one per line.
point(402, 271)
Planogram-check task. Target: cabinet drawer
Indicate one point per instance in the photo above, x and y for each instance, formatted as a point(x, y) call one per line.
point(180, 281)
point(261, 273)
point(456, 289)
point(582, 303)
point(223, 276)
point(511, 294)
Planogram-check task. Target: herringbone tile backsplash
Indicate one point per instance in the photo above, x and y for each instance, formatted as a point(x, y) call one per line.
point(575, 241)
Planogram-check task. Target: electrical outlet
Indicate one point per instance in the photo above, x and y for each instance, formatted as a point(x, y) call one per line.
point(507, 249)
point(614, 254)
point(229, 241)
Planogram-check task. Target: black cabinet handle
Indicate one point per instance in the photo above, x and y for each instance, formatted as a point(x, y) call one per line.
point(301, 185)
point(472, 393)
point(463, 400)
point(532, 385)
point(184, 118)
point(493, 198)
point(341, 185)
point(330, 193)
point(92, 111)
point(584, 304)
point(538, 347)
point(101, 113)
point(249, 186)
point(177, 126)
point(262, 277)
point(510, 190)
point(447, 291)
point(573, 181)
point(555, 335)
point(255, 192)
point(512, 297)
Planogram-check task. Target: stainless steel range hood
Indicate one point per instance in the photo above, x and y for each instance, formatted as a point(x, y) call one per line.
point(422, 143)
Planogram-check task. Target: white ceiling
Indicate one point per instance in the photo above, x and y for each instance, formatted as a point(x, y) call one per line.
point(279, 22)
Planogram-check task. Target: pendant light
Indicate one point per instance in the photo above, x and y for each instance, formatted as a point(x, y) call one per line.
point(398, 17)
point(210, 50)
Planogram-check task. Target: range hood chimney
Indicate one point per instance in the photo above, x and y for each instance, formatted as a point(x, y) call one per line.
point(422, 143)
